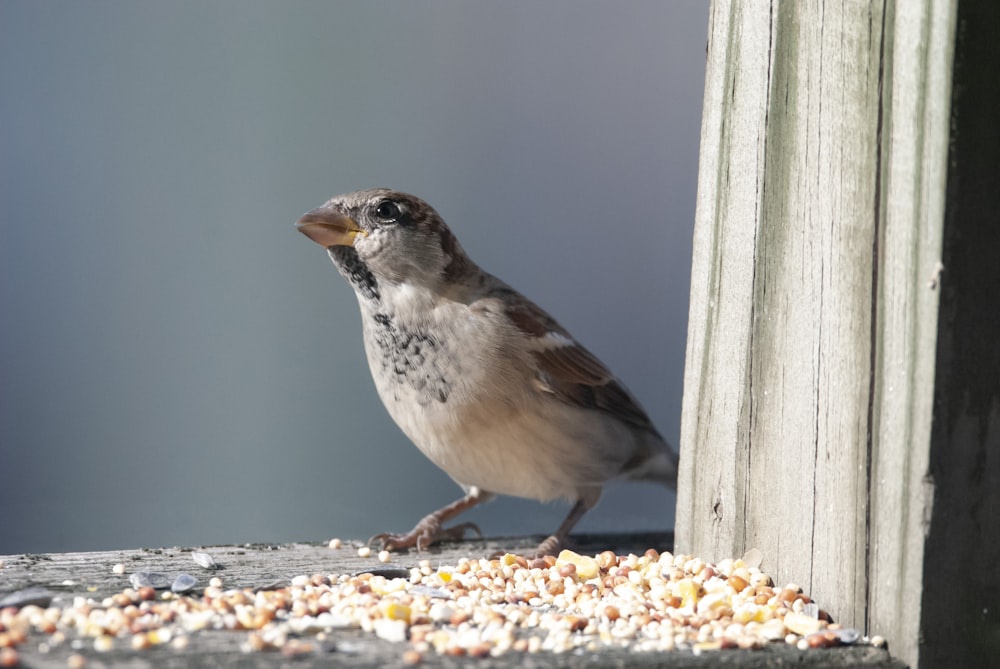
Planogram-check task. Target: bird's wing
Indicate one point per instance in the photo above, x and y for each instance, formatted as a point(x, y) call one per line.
point(569, 371)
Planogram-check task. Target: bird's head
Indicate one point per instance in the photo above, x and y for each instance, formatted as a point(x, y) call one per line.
point(399, 238)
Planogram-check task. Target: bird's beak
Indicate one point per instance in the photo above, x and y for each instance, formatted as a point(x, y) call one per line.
point(329, 228)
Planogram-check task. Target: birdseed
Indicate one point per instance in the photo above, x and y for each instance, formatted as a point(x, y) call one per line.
point(477, 607)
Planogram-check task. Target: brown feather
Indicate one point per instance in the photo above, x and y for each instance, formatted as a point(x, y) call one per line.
point(571, 372)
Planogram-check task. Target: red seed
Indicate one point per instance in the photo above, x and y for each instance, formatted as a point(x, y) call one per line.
point(479, 650)
point(9, 657)
point(607, 560)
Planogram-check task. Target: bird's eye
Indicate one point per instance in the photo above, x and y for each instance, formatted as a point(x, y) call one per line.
point(387, 210)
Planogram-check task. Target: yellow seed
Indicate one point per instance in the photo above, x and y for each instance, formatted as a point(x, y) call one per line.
point(801, 624)
point(159, 636)
point(687, 590)
point(395, 611)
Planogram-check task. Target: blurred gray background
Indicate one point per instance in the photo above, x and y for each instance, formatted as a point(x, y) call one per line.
point(179, 366)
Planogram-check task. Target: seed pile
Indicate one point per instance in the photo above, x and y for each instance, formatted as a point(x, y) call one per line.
point(652, 602)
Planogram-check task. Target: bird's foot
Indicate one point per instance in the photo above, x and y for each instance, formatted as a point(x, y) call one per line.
point(551, 546)
point(424, 534)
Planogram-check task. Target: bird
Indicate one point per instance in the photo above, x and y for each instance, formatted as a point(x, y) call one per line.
point(483, 381)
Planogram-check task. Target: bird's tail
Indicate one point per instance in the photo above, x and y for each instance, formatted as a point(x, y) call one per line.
point(660, 467)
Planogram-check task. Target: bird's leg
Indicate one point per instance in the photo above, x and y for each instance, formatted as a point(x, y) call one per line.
point(429, 530)
point(552, 544)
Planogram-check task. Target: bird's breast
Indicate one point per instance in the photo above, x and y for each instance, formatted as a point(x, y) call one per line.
point(407, 366)
point(469, 404)
point(435, 368)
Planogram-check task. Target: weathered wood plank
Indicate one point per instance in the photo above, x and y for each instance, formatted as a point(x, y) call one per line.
point(251, 566)
point(917, 92)
point(776, 386)
point(812, 327)
point(255, 565)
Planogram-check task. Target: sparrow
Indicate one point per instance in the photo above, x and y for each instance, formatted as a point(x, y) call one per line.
point(483, 381)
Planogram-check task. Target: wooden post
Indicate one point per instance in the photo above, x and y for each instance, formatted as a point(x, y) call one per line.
point(816, 354)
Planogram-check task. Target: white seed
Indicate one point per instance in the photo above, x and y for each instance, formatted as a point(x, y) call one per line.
point(203, 560)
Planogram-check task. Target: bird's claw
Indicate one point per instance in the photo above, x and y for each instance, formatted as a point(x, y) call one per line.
point(426, 533)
